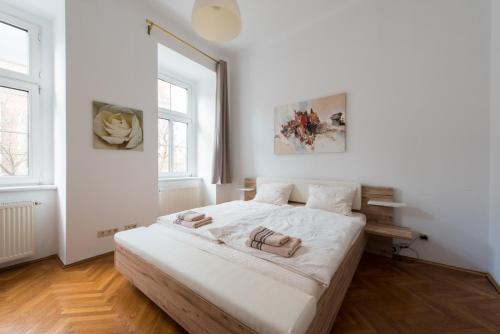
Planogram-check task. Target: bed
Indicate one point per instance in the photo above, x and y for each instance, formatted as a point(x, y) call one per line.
point(213, 287)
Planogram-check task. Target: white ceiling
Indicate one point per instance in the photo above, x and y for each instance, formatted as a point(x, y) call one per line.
point(262, 20)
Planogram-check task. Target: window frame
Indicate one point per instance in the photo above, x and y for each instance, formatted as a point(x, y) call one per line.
point(31, 83)
point(187, 118)
point(33, 31)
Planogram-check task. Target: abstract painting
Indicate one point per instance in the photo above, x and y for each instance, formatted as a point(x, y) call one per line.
point(314, 126)
point(117, 127)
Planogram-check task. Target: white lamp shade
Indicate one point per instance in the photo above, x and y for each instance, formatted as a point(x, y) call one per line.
point(216, 20)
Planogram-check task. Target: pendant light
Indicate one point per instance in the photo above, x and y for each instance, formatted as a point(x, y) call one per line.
point(216, 20)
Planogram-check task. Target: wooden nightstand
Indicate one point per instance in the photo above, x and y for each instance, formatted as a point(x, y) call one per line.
point(250, 188)
point(389, 231)
point(378, 205)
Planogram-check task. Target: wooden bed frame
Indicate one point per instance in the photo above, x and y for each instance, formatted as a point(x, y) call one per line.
point(199, 316)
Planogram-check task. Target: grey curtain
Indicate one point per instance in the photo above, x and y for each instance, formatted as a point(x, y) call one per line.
point(221, 172)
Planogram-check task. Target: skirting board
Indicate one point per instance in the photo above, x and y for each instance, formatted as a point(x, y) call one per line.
point(27, 263)
point(493, 282)
point(64, 266)
point(57, 258)
point(488, 276)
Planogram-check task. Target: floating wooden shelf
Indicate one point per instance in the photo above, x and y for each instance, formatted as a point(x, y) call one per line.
point(386, 203)
point(389, 231)
point(246, 189)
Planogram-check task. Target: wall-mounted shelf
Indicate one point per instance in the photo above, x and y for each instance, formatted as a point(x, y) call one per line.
point(245, 189)
point(386, 204)
point(389, 231)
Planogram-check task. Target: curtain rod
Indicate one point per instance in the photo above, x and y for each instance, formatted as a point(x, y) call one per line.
point(151, 25)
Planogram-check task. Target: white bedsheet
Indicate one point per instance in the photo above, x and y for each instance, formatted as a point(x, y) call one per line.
point(326, 238)
point(262, 303)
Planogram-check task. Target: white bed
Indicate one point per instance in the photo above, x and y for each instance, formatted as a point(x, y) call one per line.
point(263, 294)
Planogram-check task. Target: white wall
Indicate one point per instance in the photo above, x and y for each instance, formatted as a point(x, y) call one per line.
point(110, 58)
point(416, 74)
point(495, 142)
point(59, 33)
point(205, 104)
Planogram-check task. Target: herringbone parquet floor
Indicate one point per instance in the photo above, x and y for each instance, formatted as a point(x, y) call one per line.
point(385, 297)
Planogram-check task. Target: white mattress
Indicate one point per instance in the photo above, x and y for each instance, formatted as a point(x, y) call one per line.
point(247, 261)
point(262, 303)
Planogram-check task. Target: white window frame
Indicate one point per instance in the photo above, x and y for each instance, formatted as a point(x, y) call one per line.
point(29, 82)
point(33, 30)
point(175, 116)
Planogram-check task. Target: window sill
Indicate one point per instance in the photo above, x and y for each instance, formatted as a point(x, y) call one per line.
point(180, 178)
point(37, 187)
point(179, 182)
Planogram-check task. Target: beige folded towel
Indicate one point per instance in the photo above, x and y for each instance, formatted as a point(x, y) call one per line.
point(286, 250)
point(268, 237)
point(191, 216)
point(193, 224)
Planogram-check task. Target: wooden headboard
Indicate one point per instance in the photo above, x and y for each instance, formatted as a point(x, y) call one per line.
point(374, 214)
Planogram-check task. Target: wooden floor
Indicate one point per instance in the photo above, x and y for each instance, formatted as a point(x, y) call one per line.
point(386, 296)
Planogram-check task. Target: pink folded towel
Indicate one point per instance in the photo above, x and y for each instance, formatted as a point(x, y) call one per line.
point(191, 216)
point(268, 237)
point(286, 250)
point(193, 224)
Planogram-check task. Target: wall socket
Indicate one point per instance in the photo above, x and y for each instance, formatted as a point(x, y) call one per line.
point(423, 237)
point(129, 227)
point(107, 233)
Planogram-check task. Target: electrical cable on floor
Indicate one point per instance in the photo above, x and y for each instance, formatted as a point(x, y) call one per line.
point(402, 246)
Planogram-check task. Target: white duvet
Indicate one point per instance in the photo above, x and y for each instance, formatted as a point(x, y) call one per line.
point(326, 238)
point(222, 214)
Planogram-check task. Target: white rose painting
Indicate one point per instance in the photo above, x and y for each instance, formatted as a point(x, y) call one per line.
point(117, 128)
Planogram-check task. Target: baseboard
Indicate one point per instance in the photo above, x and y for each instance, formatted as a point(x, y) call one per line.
point(447, 266)
point(64, 266)
point(493, 282)
point(27, 263)
point(55, 257)
point(442, 265)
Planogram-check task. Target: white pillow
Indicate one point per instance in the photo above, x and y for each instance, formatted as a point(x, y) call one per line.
point(274, 193)
point(336, 199)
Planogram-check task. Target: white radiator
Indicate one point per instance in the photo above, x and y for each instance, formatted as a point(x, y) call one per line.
point(178, 199)
point(17, 239)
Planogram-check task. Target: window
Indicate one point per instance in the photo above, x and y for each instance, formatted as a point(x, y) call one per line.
point(14, 56)
point(19, 90)
point(175, 139)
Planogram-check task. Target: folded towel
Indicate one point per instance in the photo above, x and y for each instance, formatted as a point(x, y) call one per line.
point(286, 250)
point(193, 224)
point(191, 216)
point(268, 237)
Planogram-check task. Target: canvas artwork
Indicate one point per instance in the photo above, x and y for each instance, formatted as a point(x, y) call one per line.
point(314, 126)
point(117, 127)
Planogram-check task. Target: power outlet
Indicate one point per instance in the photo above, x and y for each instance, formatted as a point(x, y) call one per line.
point(423, 237)
point(129, 227)
point(107, 233)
